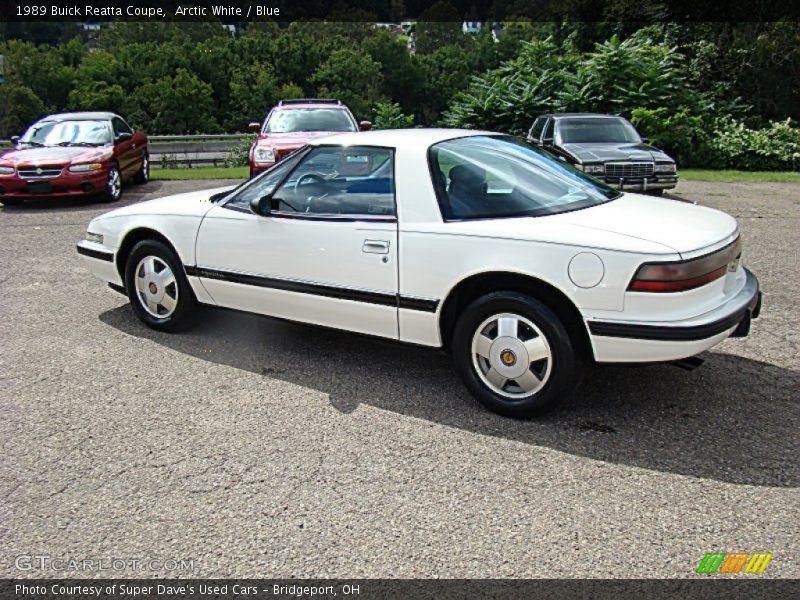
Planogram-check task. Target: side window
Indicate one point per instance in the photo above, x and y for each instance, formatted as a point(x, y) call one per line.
point(120, 126)
point(548, 131)
point(264, 184)
point(340, 180)
point(538, 126)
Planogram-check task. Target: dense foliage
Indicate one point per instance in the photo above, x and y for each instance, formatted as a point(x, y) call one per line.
point(712, 94)
point(197, 78)
point(660, 84)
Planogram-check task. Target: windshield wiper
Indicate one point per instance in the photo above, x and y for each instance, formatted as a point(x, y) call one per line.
point(92, 144)
point(32, 143)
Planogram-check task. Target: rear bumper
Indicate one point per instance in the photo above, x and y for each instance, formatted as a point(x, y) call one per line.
point(65, 185)
point(635, 341)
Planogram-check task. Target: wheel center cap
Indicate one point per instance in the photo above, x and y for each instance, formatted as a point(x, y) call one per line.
point(152, 287)
point(508, 357)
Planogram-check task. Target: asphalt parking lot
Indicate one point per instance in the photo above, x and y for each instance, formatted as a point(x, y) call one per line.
point(260, 448)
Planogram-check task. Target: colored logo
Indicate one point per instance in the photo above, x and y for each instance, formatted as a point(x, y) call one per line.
point(734, 562)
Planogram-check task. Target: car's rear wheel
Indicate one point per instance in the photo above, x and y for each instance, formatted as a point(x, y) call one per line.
point(157, 287)
point(143, 174)
point(113, 190)
point(514, 354)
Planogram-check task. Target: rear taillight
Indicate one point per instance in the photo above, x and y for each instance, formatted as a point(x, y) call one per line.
point(687, 274)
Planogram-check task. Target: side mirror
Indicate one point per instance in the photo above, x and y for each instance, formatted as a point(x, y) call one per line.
point(15, 139)
point(261, 205)
point(645, 140)
point(365, 125)
point(123, 136)
point(254, 127)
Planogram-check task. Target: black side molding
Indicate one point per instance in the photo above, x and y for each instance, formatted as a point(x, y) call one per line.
point(315, 289)
point(98, 254)
point(420, 304)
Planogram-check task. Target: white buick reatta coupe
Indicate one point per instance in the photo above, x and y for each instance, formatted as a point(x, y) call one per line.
point(524, 268)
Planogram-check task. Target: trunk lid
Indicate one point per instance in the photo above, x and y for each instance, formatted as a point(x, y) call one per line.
point(682, 226)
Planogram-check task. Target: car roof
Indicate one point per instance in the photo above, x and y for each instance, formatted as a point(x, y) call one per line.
point(398, 138)
point(81, 116)
point(309, 104)
point(581, 115)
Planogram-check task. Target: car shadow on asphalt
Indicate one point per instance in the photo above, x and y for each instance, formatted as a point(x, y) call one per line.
point(130, 195)
point(733, 420)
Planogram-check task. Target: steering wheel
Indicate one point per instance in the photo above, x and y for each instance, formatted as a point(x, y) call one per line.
point(315, 177)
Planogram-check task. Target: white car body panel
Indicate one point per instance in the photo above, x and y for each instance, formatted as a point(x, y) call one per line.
point(400, 294)
point(320, 253)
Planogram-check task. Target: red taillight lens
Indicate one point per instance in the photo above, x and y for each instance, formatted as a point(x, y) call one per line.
point(687, 274)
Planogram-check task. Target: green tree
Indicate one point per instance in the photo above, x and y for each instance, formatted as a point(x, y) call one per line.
point(179, 104)
point(19, 107)
point(40, 68)
point(253, 90)
point(389, 115)
point(351, 76)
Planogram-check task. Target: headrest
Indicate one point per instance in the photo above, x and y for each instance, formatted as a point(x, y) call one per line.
point(467, 175)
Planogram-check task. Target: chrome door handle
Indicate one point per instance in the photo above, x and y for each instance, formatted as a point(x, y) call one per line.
point(375, 247)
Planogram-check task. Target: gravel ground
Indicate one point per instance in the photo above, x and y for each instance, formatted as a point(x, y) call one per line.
point(261, 448)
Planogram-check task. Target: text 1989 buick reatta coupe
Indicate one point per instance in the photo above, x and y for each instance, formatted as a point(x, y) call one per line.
point(523, 267)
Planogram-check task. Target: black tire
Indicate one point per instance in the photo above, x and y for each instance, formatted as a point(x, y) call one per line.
point(143, 174)
point(112, 193)
point(11, 201)
point(560, 372)
point(184, 312)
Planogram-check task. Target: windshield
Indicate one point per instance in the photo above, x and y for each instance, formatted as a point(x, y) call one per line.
point(611, 130)
point(309, 119)
point(68, 133)
point(482, 177)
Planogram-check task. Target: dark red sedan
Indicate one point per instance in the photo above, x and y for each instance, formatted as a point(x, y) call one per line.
point(74, 154)
point(291, 124)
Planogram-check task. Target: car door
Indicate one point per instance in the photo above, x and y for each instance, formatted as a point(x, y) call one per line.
point(126, 150)
point(327, 251)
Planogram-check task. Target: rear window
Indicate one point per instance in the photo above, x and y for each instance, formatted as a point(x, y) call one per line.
point(310, 119)
point(485, 177)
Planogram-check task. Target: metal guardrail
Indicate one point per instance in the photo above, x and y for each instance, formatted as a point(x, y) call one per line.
point(187, 150)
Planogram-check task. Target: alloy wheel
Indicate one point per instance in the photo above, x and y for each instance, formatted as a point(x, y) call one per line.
point(156, 287)
point(511, 355)
point(114, 183)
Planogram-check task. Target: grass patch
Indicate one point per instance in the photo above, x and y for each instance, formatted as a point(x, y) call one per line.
point(728, 176)
point(688, 174)
point(201, 173)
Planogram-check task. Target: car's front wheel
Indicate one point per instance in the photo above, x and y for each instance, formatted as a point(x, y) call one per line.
point(514, 354)
point(113, 191)
point(157, 287)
